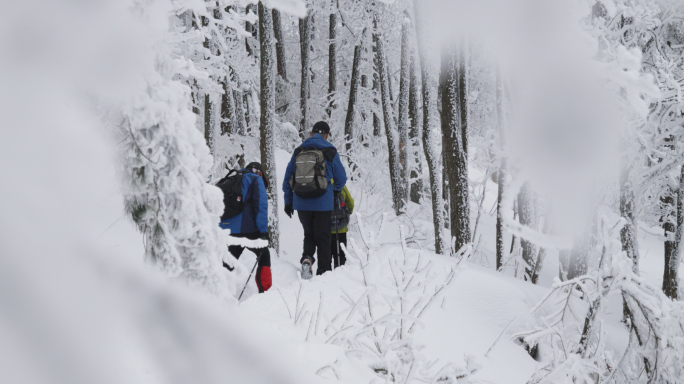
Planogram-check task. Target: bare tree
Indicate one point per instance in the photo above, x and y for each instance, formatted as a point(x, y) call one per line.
point(396, 171)
point(453, 147)
point(429, 123)
point(503, 170)
point(332, 59)
point(672, 258)
point(280, 44)
point(403, 120)
point(415, 115)
point(305, 26)
point(227, 109)
point(268, 120)
point(353, 97)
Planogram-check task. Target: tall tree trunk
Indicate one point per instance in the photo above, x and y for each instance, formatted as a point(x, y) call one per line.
point(305, 84)
point(353, 96)
point(455, 159)
point(251, 28)
point(228, 118)
point(463, 98)
point(332, 59)
point(280, 45)
point(503, 170)
point(671, 275)
point(240, 121)
point(667, 204)
point(208, 122)
point(414, 111)
point(377, 124)
point(429, 123)
point(528, 217)
point(403, 120)
point(268, 120)
point(396, 171)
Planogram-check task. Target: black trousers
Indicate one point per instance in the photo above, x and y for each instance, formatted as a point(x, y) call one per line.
point(316, 226)
point(340, 259)
point(263, 256)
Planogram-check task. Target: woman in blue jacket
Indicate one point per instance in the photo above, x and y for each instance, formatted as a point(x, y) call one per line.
point(252, 222)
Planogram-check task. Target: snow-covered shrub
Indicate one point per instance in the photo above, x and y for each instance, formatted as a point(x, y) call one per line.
point(576, 324)
point(165, 163)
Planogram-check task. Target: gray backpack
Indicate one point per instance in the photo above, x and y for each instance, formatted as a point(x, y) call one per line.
point(309, 178)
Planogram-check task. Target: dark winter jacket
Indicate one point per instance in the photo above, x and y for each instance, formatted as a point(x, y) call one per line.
point(333, 170)
point(254, 217)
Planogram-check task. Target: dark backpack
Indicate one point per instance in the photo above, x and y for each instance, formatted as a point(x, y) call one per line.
point(233, 201)
point(309, 178)
point(340, 214)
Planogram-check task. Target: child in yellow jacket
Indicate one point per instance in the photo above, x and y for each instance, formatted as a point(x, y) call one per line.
point(340, 236)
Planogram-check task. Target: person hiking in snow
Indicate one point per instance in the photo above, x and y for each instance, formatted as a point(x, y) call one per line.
point(252, 220)
point(342, 209)
point(309, 189)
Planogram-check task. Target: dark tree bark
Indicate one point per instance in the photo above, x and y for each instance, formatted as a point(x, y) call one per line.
point(670, 283)
point(267, 120)
point(429, 122)
point(240, 120)
point(503, 170)
point(403, 120)
point(251, 28)
point(332, 61)
point(415, 115)
point(528, 217)
point(280, 44)
point(396, 171)
point(228, 118)
point(463, 98)
point(377, 124)
point(353, 96)
point(305, 48)
point(208, 122)
point(455, 158)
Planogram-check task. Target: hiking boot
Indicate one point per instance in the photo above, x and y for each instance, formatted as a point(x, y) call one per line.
point(306, 269)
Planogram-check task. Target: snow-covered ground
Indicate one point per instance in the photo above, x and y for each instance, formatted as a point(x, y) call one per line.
point(397, 311)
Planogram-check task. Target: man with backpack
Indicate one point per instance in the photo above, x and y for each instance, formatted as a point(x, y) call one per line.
point(246, 215)
point(309, 189)
point(342, 210)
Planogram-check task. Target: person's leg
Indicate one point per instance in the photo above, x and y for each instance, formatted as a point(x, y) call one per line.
point(263, 273)
point(236, 251)
point(307, 220)
point(321, 224)
point(343, 241)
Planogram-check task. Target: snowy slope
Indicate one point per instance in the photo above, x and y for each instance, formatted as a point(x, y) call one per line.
point(329, 320)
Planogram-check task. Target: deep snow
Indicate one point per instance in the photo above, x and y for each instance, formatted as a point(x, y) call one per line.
point(469, 323)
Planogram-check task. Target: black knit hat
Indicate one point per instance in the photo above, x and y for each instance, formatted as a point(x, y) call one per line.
point(321, 127)
point(258, 167)
point(255, 165)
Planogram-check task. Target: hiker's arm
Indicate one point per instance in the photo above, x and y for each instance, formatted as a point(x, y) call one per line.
point(339, 174)
point(287, 190)
point(260, 200)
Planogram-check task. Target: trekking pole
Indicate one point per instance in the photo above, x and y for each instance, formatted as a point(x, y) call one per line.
point(249, 278)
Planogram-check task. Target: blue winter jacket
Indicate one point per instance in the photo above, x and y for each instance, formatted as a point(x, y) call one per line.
point(333, 170)
point(254, 217)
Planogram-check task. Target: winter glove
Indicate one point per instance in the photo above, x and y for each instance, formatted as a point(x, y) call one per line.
point(288, 210)
point(264, 236)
